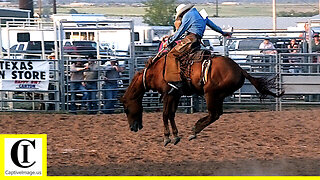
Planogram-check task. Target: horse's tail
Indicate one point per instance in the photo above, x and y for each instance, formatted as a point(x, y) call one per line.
point(263, 85)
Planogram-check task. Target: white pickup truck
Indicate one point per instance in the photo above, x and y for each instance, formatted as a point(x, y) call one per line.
point(30, 50)
point(240, 49)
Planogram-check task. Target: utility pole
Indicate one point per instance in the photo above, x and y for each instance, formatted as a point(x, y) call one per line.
point(40, 7)
point(319, 6)
point(26, 5)
point(54, 11)
point(218, 5)
point(274, 15)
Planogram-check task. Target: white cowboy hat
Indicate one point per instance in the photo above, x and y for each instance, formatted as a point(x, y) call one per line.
point(182, 8)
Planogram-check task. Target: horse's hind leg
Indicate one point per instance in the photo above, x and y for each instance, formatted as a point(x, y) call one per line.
point(215, 110)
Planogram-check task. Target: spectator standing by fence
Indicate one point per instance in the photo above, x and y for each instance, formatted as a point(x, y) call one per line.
point(267, 47)
point(76, 82)
point(91, 84)
point(293, 47)
point(110, 86)
point(315, 44)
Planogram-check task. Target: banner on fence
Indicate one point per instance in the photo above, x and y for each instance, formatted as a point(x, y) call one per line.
point(24, 75)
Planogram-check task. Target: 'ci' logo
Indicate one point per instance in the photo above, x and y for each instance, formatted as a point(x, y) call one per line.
point(25, 149)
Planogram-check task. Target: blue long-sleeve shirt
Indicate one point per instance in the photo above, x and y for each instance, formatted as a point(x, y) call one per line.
point(193, 22)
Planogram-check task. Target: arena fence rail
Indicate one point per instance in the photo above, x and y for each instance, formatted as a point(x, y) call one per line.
point(112, 43)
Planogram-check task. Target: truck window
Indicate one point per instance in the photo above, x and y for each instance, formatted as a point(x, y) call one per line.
point(21, 46)
point(67, 44)
point(136, 36)
point(68, 35)
point(14, 47)
point(48, 45)
point(36, 45)
point(232, 45)
point(249, 44)
point(206, 42)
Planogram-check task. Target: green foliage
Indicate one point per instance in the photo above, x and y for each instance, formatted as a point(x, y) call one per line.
point(293, 13)
point(159, 12)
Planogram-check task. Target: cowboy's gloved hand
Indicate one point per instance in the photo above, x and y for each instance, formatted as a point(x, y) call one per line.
point(227, 34)
point(165, 38)
point(165, 45)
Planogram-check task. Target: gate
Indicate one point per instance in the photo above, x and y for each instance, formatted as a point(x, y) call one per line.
point(89, 51)
point(300, 78)
point(26, 95)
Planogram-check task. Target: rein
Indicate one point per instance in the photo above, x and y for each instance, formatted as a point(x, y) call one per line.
point(145, 69)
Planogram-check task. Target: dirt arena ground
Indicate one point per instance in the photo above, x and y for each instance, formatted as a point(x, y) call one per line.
point(250, 143)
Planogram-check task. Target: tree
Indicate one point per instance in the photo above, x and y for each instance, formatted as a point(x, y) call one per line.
point(159, 12)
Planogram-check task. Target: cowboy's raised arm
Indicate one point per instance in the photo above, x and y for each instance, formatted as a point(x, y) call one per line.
point(214, 27)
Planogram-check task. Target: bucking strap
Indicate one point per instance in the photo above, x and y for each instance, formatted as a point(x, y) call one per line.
point(205, 70)
point(144, 78)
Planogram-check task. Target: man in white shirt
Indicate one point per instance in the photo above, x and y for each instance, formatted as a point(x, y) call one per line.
point(267, 47)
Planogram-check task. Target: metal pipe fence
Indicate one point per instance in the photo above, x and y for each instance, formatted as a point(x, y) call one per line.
point(297, 73)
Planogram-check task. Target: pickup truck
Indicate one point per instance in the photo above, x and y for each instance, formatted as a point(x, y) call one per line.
point(240, 49)
point(85, 48)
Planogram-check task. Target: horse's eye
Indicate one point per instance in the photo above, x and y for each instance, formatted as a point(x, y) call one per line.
point(126, 110)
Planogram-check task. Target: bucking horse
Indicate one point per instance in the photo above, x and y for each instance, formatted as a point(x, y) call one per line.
point(221, 78)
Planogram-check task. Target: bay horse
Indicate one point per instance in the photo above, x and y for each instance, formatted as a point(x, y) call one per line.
point(224, 78)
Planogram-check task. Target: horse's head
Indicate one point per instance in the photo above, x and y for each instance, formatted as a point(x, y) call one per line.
point(133, 110)
point(132, 102)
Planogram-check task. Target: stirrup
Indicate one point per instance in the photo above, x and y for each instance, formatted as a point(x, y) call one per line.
point(171, 90)
point(174, 88)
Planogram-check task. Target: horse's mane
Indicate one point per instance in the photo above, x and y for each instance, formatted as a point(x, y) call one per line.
point(135, 78)
point(150, 62)
point(153, 60)
point(132, 88)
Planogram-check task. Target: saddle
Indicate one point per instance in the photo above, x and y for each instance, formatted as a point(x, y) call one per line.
point(197, 56)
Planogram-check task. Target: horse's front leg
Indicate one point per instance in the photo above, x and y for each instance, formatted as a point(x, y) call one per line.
point(170, 105)
point(165, 118)
point(174, 106)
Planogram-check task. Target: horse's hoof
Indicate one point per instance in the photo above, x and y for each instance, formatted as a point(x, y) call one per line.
point(167, 141)
point(192, 137)
point(176, 140)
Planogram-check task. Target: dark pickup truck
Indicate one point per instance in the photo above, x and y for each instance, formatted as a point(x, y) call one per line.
point(80, 48)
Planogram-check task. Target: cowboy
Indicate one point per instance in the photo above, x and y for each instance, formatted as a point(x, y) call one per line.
point(194, 25)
